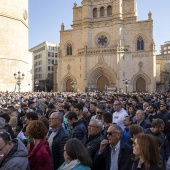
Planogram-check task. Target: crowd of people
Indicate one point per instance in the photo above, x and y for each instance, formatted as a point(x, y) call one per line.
point(84, 131)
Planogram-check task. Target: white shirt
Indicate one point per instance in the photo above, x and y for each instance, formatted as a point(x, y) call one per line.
point(118, 118)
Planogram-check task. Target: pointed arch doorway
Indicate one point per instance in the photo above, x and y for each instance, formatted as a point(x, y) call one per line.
point(69, 87)
point(102, 82)
point(140, 84)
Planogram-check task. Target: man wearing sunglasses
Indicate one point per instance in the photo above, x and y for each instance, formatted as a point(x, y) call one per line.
point(99, 112)
point(12, 153)
point(114, 154)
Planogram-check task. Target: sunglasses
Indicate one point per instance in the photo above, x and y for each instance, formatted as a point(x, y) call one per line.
point(110, 133)
point(100, 113)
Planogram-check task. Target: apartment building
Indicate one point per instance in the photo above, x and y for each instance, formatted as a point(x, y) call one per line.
point(44, 57)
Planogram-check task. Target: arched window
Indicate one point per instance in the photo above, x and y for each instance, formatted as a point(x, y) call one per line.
point(140, 44)
point(69, 49)
point(94, 12)
point(102, 11)
point(109, 10)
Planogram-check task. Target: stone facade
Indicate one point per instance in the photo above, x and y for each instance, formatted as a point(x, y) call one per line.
point(106, 46)
point(14, 55)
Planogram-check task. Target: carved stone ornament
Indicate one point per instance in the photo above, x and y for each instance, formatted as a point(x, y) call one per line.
point(68, 67)
point(25, 14)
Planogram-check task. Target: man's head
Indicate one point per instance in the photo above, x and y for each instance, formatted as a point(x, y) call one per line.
point(106, 118)
point(31, 104)
point(114, 134)
point(158, 125)
point(40, 114)
point(10, 109)
point(71, 118)
point(117, 106)
point(5, 143)
point(78, 108)
point(94, 127)
point(93, 106)
point(127, 121)
point(55, 120)
point(99, 111)
point(145, 105)
point(24, 108)
point(140, 115)
point(134, 130)
point(109, 104)
point(163, 107)
point(30, 116)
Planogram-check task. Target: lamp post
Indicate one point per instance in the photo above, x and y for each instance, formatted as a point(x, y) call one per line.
point(36, 84)
point(73, 82)
point(126, 82)
point(19, 77)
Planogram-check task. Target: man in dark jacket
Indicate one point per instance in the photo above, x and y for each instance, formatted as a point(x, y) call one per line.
point(113, 153)
point(140, 119)
point(94, 137)
point(78, 127)
point(57, 138)
point(13, 153)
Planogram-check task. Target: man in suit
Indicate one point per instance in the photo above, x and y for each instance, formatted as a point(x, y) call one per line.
point(140, 119)
point(113, 153)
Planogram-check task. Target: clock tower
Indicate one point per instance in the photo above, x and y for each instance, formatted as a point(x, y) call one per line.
point(108, 45)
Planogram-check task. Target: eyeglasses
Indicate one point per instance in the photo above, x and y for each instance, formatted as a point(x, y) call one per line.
point(110, 133)
point(99, 113)
point(93, 126)
point(51, 119)
point(161, 105)
point(2, 148)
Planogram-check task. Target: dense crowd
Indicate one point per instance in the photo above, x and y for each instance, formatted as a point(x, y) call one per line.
point(83, 131)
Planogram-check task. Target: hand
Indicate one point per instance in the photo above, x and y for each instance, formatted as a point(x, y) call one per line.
point(103, 145)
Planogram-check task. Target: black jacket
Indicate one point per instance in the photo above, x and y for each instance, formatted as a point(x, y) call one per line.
point(152, 167)
point(103, 160)
point(144, 124)
point(93, 144)
point(79, 131)
point(58, 143)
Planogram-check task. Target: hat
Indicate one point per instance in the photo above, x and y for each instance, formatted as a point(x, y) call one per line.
point(5, 116)
point(30, 102)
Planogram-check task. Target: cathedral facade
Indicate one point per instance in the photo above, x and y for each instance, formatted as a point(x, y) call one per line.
point(107, 48)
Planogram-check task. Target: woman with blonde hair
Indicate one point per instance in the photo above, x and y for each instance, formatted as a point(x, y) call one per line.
point(146, 150)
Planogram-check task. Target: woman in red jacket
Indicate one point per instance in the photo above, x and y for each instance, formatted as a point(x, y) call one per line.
point(39, 153)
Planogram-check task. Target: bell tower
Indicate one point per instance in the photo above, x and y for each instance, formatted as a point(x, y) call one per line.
point(14, 55)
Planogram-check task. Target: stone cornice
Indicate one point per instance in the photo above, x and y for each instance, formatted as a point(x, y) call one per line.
point(91, 51)
point(15, 18)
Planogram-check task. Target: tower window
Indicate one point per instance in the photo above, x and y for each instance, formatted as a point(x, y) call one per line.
point(140, 44)
point(109, 10)
point(102, 11)
point(69, 49)
point(94, 12)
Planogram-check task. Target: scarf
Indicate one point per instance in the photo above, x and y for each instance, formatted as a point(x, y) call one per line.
point(70, 165)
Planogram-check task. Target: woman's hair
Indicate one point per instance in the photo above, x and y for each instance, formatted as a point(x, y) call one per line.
point(36, 129)
point(149, 149)
point(76, 150)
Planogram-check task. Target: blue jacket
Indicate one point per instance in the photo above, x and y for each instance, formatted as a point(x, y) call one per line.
point(81, 167)
point(79, 131)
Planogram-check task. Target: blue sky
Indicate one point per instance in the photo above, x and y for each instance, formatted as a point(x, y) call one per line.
point(46, 16)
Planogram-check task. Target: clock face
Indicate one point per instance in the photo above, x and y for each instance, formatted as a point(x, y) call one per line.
point(102, 40)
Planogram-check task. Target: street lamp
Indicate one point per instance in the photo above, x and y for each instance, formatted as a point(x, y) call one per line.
point(19, 77)
point(36, 84)
point(126, 82)
point(73, 82)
